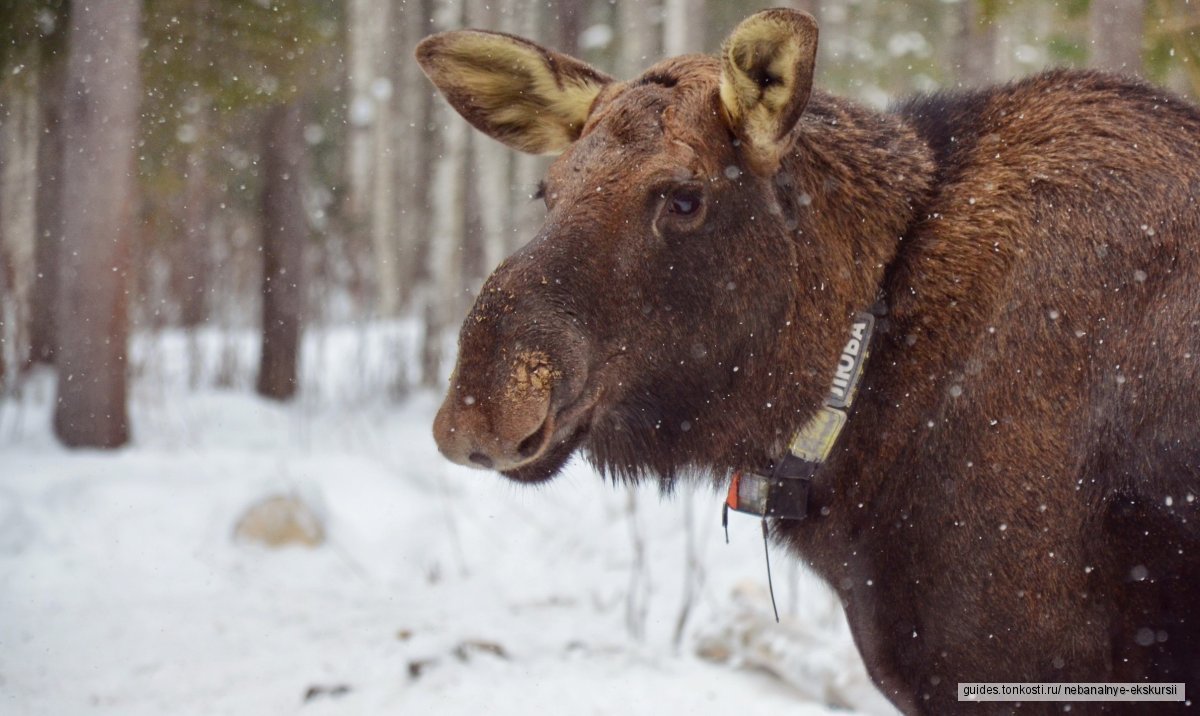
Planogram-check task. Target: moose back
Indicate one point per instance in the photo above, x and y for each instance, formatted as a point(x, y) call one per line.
point(1013, 496)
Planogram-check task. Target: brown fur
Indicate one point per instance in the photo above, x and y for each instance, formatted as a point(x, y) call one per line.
point(1017, 493)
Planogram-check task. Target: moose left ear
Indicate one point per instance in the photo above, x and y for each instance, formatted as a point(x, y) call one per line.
point(766, 78)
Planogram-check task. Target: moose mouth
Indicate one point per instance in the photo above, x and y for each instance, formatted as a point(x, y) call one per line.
point(552, 445)
point(545, 467)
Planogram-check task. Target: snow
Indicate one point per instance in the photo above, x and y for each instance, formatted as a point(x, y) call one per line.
point(440, 590)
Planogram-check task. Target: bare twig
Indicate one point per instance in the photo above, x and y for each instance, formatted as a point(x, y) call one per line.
point(637, 600)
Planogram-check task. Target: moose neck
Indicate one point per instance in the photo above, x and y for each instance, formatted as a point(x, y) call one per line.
point(866, 176)
point(855, 181)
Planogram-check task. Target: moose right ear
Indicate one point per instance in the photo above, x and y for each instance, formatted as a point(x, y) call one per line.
point(766, 78)
point(515, 91)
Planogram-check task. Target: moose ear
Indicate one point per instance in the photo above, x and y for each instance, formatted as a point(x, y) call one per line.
point(520, 93)
point(766, 78)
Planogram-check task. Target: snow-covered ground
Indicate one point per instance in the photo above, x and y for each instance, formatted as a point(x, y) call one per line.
point(439, 590)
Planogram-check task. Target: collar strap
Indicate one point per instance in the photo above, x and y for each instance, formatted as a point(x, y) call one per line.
point(782, 492)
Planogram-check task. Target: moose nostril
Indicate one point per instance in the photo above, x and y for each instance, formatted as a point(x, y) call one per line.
point(532, 444)
point(480, 459)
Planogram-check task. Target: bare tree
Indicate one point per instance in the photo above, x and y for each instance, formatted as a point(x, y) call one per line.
point(18, 172)
point(975, 45)
point(418, 139)
point(684, 23)
point(370, 156)
point(491, 180)
point(528, 21)
point(48, 236)
point(99, 176)
point(637, 598)
point(6, 271)
point(1115, 28)
point(284, 235)
point(442, 300)
point(640, 30)
point(5, 280)
point(195, 261)
point(571, 16)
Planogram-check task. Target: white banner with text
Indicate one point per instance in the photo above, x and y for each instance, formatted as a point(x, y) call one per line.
point(1069, 692)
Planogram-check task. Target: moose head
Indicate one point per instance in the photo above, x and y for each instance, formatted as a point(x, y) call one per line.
point(711, 228)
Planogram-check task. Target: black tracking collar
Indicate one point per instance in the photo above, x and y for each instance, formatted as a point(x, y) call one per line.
point(782, 491)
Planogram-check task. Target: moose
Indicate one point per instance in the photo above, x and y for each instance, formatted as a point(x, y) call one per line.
point(1013, 494)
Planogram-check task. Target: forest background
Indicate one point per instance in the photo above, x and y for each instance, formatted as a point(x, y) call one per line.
point(282, 164)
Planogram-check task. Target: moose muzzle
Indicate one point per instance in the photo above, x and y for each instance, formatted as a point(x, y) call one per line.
point(499, 429)
point(513, 406)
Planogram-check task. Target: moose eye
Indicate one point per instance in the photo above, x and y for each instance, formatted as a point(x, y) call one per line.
point(680, 209)
point(683, 203)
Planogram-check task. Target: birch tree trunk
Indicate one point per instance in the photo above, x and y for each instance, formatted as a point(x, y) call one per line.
point(371, 157)
point(444, 288)
point(975, 46)
point(48, 236)
point(1115, 28)
point(417, 138)
point(527, 169)
point(443, 300)
point(101, 115)
point(284, 235)
point(195, 263)
point(5, 281)
point(490, 162)
point(684, 25)
point(571, 16)
point(383, 207)
point(18, 179)
point(360, 55)
point(640, 28)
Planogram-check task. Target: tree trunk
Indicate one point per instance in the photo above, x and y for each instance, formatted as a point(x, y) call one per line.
point(284, 234)
point(101, 119)
point(383, 196)
point(1116, 28)
point(18, 177)
point(490, 176)
point(443, 288)
point(361, 40)
point(5, 274)
point(195, 261)
point(192, 263)
point(640, 28)
point(975, 49)
point(371, 170)
point(48, 236)
point(684, 24)
point(571, 16)
point(5, 280)
point(526, 214)
point(413, 139)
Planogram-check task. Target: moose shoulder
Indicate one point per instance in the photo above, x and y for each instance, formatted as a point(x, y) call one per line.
point(1013, 495)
